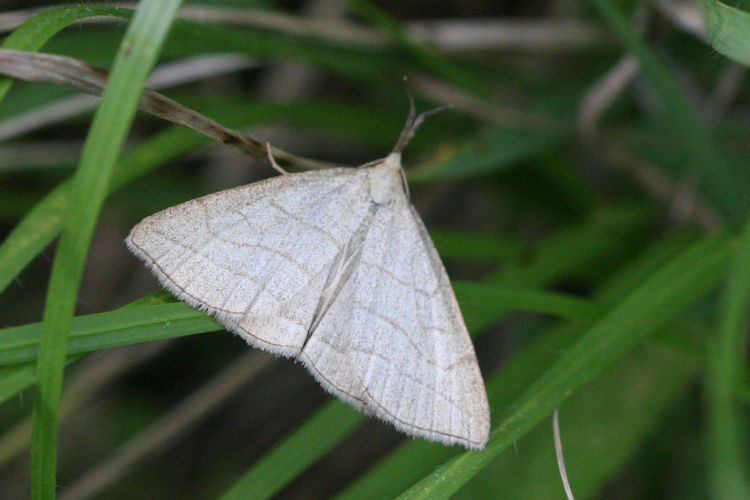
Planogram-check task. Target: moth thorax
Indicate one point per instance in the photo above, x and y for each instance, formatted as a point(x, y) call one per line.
point(385, 180)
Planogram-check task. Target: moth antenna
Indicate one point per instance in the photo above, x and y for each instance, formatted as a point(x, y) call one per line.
point(413, 122)
point(412, 108)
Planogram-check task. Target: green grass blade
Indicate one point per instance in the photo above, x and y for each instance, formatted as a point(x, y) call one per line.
point(724, 373)
point(728, 30)
point(14, 379)
point(690, 276)
point(126, 326)
point(134, 60)
point(143, 323)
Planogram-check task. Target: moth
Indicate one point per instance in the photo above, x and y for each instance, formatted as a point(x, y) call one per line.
point(333, 268)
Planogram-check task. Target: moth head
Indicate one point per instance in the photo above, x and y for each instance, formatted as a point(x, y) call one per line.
point(387, 181)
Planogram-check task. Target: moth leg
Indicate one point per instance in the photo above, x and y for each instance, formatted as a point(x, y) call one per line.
point(275, 165)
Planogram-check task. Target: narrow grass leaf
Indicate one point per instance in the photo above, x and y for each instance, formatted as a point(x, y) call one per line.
point(133, 324)
point(129, 325)
point(14, 379)
point(134, 61)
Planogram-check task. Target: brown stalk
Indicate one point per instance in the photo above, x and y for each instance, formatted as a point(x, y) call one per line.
point(70, 72)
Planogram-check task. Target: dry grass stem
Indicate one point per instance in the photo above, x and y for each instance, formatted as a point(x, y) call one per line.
point(164, 76)
point(603, 94)
point(70, 72)
point(465, 35)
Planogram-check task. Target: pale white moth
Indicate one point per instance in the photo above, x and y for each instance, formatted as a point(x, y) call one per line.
point(334, 268)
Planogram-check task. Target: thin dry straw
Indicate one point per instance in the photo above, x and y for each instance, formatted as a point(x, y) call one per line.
point(164, 76)
point(71, 72)
point(559, 454)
